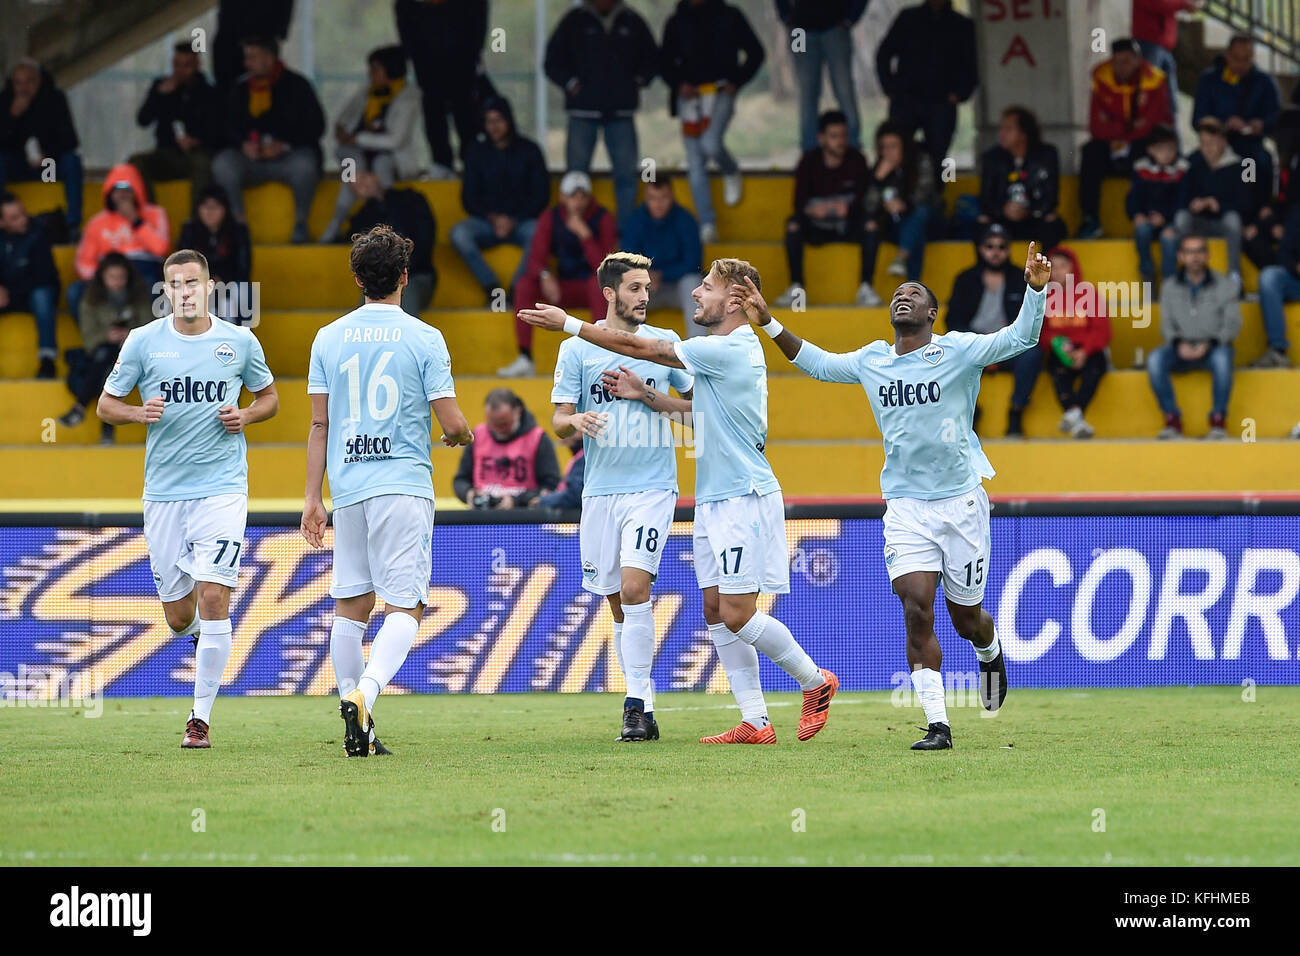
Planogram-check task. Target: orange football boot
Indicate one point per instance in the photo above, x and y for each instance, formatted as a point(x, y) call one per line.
point(745, 733)
point(816, 706)
point(196, 735)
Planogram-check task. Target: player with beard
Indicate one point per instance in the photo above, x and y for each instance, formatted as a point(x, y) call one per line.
point(740, 546)
point(630, 488)
point(922, 390)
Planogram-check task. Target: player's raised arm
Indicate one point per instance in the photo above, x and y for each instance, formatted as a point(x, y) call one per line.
point(1022, 334)
point(808, 358)
point(626, 384)
point(555, 319)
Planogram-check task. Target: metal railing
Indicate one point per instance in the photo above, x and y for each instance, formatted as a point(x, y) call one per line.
point(1274, 23)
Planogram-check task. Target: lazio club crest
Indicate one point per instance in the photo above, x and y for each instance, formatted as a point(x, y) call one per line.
point(932, 353)
point(225, 353)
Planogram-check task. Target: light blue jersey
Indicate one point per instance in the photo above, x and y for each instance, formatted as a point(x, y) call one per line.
point(924, 401)
point(730, 411)
point(188, 453)
point(635, 452)
point(381, 368)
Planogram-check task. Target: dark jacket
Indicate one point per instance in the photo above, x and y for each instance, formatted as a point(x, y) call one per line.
point(229, 252)
point(673, 242)
point(968, 290)
point(819, 14)
point(442, 37)
point(608, 60)
point(243, 18)
point(1223, 182)
point(98, 313)
point(511, 179)
point(408, 212)
point(194, 104)
point(928, 55)
point(708, 43)
point(1040, 175)
point(546, 467)
point(569, 494)
point(295, 116)
point(1288, 250)
point(1154, 188)
point(27, 261)
point(913, 182)
point(47, 118)
point(813, 179)
point(1253, 97)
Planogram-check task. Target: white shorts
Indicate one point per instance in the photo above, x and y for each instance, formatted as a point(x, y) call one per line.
point(740, 544)
point(201, 539)
point(384, 544)
point(948, 535)
point(623, 531)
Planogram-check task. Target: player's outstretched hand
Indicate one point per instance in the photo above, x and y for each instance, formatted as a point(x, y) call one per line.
point(153, 410)
point(456, 442)
point(230, 417)
point(313, 523)
point(750, 300)
point(544, 316)
point(624, 383)
point(1038, 269)
point(591, 424)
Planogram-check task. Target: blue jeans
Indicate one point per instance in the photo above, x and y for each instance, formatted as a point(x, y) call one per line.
point(1144, 235)
point(709, 146)
point(1276, 288)
point(42, 302)
point(834, 48)
point(1158, 56)
point(473, 234)
point(620, 143)
point(1025, 368)
point(1164, 361)
point(14, 168)
point(911, 236)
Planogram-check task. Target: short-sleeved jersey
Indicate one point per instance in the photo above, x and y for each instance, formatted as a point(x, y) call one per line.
point(380, 368)
point(635, 452)
point(188, 453)
point(924, 401)
point(729, 408)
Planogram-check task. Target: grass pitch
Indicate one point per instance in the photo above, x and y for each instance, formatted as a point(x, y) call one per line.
point(1099, 777)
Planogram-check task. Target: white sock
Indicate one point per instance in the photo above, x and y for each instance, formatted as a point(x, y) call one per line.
point(618, 648)
point(775, 640)
point(740, 661)
point(987, 654)
point(639, 649)
point(190, 629)
point(345, 653)
point(928, 685)
point(387, 654)
point(209, 663)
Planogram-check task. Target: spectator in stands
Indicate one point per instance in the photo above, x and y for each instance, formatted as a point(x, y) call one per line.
point(275, 119)
point(1200, 317)
point(408, 212)
point(898, 201)
point(377, 131)
point(444, 41)
point(1213, 196)
point(1152, 201)
point(987, 297)
point(669, 235)
point(709, 52)
point(577, 233)
point(1020, 181)
point(36, 130)
point(117, 300)
point(1246, 101)
point(511, 460)
point(237, 20)
point(1155, 27)
point(505, 189)
point(1261, 236)
point(1129, 99)
point(213, 231)
point(601, 54)
point(926, 66)
point(829, 185)
point(1279, 285)
point(29, 281)
point(183, 109)
point(568, 495)
point(1075, 334)
point(128, 224)
point(826, 26)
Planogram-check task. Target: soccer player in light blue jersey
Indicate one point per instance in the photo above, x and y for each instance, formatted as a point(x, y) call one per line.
point(630, 482)
point(740, 546)
point(375, 376)
point(189, 369)
point(922, 390)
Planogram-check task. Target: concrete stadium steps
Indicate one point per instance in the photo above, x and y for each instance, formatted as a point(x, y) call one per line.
point(804, 469)
point(760, 215)
point(799, 409)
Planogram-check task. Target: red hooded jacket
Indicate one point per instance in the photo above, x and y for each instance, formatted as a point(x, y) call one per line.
point(1075, 310)
point(107, 231)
